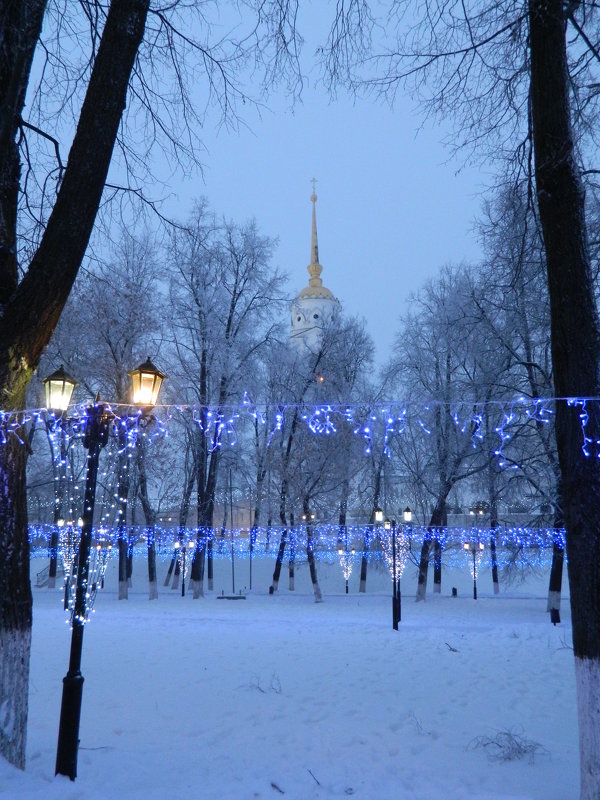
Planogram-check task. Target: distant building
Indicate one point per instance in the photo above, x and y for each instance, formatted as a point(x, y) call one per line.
point(315, 305)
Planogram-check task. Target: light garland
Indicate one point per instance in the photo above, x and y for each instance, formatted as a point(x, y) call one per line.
point(220, 424)
point(324, 540)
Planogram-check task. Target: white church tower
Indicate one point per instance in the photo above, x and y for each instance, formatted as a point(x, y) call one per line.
point(315, 305)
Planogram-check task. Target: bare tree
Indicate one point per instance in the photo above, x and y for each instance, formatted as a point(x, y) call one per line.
point(226, 294)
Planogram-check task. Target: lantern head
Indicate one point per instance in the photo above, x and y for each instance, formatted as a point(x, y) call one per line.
point(59, 388)
point(146, 381)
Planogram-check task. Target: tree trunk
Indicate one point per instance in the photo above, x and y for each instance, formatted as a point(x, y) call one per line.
point(292, 555)
point(15, 602)
point(122, 495)
point(493, 502)
point(575, 359)
point(60, 478)
point(364, 561)
point(437, 566)
point(438, 520)
point(555, 583)
point(152, 581)
point(556, 570)
point(310, 552)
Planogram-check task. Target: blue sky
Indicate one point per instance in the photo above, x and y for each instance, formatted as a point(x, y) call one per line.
point(393, 207)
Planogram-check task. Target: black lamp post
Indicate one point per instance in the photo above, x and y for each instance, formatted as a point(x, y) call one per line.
point(476, 549)
point(146, 382)
point(396, 602)
point(96, 436)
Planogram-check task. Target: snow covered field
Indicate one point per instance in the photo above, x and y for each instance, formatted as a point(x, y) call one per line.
point(279, 697)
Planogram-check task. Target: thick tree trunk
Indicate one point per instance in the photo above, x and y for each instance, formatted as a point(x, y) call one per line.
point(122, 535)
point(279, 560)
point(312, 564)
point(438, 520)
point(494, 559)
point(575, 359)
point(493, 502)
point(292, 556)
point(210, 580)
point(556, 569)
point(60, 478)
point(555, 583)
point(437, 566)
point(15, 603)
point(364, 562)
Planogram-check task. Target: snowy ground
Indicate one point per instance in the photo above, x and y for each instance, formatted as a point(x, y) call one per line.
point(279, 697)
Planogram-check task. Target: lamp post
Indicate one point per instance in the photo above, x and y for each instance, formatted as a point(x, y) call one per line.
point(146, 382)
point(407, 518)
point(396, 607)
point(180, 549)
point(96, 436)
point(346, 560)
point(476, 549)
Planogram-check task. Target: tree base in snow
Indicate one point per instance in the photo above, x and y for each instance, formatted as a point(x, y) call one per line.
point(587, 676)
point(15, 647)
point(123, 590)
point(197, 589)
point(153, 591)
point(553, 601)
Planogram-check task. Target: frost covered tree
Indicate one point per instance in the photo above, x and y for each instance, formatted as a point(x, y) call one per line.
point(224, 293)
point(437, 368)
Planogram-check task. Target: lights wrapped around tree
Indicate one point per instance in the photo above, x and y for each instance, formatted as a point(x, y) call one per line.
point(474, 552)
point(346, 563)
point(402, 550)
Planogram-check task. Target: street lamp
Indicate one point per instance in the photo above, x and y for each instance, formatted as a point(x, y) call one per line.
point(396, 601)
point(59, 388)
point(96, 430)
point(346, 560)
point(95, 437)
point(378, 514)
point(476, 550)
point(146, 381)
point(407, 518)
point(180, 549)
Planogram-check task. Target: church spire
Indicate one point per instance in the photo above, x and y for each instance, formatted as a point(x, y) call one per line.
point(314, 245)
point(314, 268)
point(315, 286)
